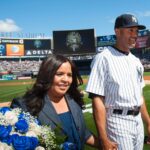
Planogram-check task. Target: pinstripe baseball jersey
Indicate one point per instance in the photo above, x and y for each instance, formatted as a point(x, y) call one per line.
point(118, 77)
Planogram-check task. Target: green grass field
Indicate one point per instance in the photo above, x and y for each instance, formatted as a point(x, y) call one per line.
point(18, 87)
point(146, 73)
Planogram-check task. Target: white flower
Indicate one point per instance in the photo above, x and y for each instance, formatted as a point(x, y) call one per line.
point(11, 117)
point(4, 146)
point(31, 134)
point(35, 128)
point(40, 148)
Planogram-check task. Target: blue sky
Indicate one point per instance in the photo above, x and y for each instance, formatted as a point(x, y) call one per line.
point(45, 16)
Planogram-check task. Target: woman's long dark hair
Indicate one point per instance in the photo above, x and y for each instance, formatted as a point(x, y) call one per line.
point(34, 98)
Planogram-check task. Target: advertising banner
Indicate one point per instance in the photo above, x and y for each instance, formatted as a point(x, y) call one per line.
point(74, 41)
point(11, 41)
point(37, 47)
point(11, 47)
point(14, 49)
point(106, 40)
point(143, 32)
point(2, 50)
point(103, 41)
point(142, 42)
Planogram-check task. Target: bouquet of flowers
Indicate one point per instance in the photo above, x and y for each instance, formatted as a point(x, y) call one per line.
point(21, 131)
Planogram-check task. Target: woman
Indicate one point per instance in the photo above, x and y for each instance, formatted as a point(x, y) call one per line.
point(56, 100)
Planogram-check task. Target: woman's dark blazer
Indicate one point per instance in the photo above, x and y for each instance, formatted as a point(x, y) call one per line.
point(48, 115)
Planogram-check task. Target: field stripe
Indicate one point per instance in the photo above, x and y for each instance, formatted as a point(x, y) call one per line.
point(12, 92)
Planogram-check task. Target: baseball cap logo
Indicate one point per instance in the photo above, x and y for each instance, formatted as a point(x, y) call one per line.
point(134, 19)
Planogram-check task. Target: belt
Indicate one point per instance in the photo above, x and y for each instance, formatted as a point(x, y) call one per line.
point(133, 112)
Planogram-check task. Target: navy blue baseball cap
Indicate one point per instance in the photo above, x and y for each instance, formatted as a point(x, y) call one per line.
point(127, 21)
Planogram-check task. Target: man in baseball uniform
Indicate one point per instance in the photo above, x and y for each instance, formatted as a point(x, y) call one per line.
point(115, 85)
